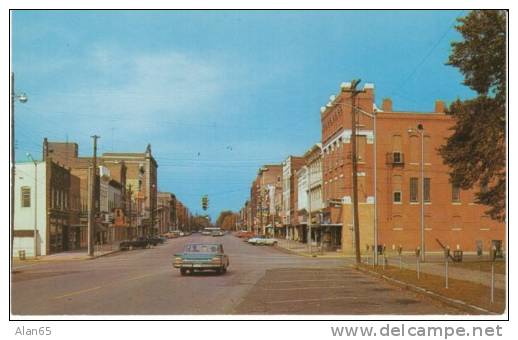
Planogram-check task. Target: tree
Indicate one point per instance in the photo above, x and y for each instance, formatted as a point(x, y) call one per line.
point(229, 222)
point(476, 151)
point(221, 217)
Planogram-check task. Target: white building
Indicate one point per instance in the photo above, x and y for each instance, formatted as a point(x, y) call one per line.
point(30, 209)
point(42, 209)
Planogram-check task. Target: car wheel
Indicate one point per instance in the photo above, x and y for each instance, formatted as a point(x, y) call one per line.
point(130, 247)
point(275, 243)
point(183, 271)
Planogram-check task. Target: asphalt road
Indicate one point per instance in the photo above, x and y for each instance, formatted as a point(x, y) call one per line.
point(260, 280)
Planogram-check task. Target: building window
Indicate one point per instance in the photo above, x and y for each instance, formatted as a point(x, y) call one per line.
point(427, 185)
point(361, 140)
point(413, 189)
point(396, 143)
point(26, 197)
point(414, 149)
point(455, 193)
point(396, 189)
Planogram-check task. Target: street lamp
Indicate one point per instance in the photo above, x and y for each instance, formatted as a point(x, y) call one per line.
point(420, 131)
point(22, 98)
point(35, 236)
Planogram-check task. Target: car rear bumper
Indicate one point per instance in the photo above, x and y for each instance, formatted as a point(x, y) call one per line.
point(198, 265)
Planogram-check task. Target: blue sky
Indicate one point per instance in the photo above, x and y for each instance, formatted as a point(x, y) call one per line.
point(216, 93)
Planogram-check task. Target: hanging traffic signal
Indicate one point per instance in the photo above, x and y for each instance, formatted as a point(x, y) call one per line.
point(205, 202)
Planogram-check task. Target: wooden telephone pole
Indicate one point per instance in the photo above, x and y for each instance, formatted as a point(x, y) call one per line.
point(92, 202)
point(356, 225)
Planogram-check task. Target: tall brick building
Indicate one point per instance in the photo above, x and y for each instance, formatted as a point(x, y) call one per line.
point(141, 176)
point(406, 161)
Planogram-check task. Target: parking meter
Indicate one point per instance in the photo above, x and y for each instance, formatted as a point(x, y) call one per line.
point(447, 252)
point(493, 253)
point(400, 250)
point(418, 252)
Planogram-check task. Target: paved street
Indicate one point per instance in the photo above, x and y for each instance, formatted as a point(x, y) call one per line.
point(260, 280)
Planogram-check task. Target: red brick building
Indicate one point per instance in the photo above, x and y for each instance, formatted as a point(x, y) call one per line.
point(407, 161)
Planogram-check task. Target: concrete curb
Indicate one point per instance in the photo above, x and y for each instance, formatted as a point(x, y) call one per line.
point(289, 251)
point(449, 301)
point(77, 258)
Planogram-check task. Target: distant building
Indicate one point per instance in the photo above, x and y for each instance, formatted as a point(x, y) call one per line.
point(141, 179)
point(166, 212)
point(110, 179)
point(290, 197)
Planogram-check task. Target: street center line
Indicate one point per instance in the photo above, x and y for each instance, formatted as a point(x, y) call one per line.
point(314, 300)
point(290, 281)
point(78, 292)
point(300, 288)
point(140, 277)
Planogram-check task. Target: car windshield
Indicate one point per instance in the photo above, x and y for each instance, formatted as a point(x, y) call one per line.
point(201, 248)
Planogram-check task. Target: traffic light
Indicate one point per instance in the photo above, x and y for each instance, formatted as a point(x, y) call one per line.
point(205, 202)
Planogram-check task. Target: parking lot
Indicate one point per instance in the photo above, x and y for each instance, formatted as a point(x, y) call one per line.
point(332, 291)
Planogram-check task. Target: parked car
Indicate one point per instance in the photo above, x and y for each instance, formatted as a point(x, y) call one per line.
point(202, 256)
point(218, 233)
point(140, 242)
point(172, 234)
point(245, 234)
point(182, 233)
point(263, 241)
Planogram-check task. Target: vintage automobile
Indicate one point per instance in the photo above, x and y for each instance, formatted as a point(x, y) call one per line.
point(140, 242)
point(245, 234)
point(263, 241)
point(172, 234)
point(201, 256)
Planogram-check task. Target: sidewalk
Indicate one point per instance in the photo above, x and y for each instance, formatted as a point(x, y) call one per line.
point(302, 249)
point(72, 255)
point(438, 268)
point(409, 262)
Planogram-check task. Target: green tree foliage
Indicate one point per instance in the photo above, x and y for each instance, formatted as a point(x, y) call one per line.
point(476, 151)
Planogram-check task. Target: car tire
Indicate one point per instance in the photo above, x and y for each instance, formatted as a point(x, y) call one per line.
point(130, 247)
point(183, 271)
point(275, 244)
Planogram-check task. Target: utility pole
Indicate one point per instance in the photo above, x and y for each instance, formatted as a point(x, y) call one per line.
point(128, 198)
point(22, 98)
point(13, 162)
point(309, 209)
point(356, 227)
point(92, 205)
